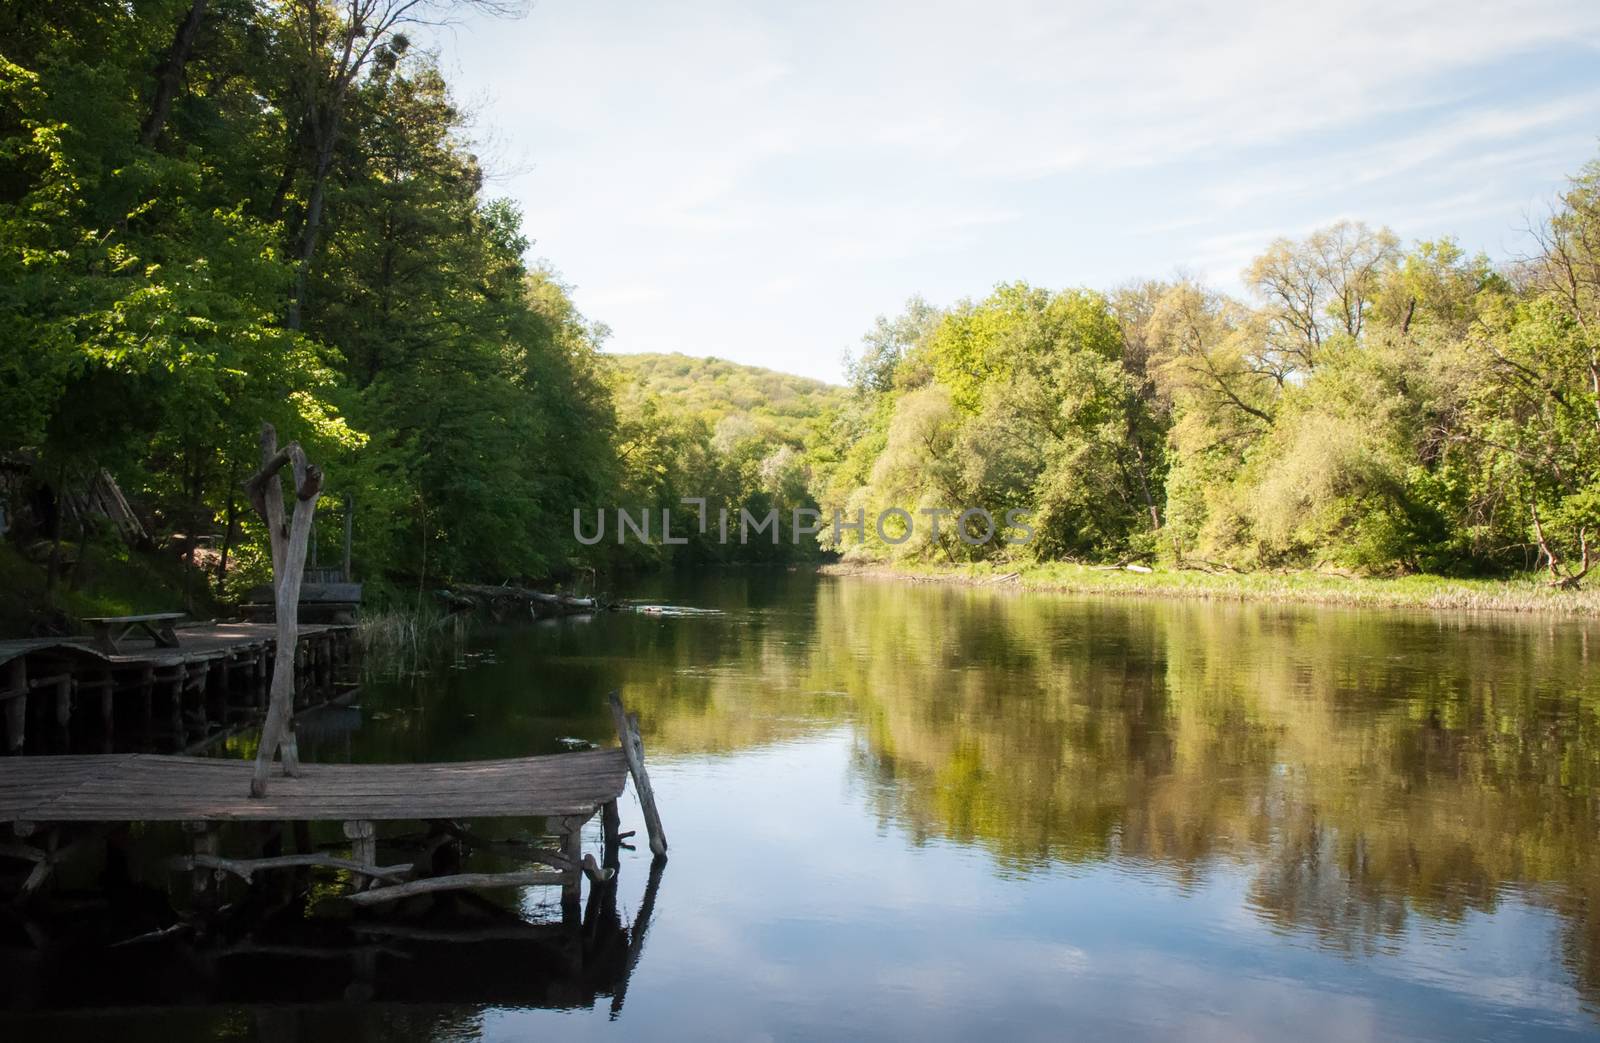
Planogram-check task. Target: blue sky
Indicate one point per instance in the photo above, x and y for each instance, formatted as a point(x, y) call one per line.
point(756, 181)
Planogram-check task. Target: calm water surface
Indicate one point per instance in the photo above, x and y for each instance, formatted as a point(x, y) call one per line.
point(918, 811)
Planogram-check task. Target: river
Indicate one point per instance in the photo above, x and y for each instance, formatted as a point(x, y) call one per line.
point(922, 811)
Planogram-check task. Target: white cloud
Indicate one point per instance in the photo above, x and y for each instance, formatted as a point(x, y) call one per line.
point(870, 150)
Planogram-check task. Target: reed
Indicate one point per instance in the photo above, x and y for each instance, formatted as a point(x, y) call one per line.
point(398, 641)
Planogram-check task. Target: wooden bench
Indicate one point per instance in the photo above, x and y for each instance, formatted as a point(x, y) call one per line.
point(111, 631)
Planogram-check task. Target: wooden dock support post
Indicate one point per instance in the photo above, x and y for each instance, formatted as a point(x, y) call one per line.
point(627, 725)
point(16, 721)
point(256, 678)
point(216, 689)
point(363, 837)
point(611, 823)
point(572, 851)
point(108, 703)
point(63, 685)
point(204, 843)
point(14, 693)
point(172, 678)
point(147, 687)
point(200, 680)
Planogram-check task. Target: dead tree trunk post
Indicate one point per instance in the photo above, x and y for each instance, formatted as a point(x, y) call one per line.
point(633, 752)
point(289, 541)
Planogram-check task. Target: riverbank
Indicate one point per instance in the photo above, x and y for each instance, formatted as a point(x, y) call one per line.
point(1312, 588)
point(107, 581)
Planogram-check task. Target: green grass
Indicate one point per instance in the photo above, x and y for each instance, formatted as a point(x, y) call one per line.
point(1517, 594)
point(111, 581)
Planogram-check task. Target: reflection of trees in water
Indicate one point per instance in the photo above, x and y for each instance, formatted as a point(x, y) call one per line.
point(1365, 765)
point(746, 679)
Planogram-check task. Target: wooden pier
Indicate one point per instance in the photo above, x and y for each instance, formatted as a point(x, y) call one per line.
point(54, 804)
point(62, 695)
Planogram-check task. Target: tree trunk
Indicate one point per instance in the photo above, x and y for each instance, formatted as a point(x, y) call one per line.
point(53, 568)
point(230, 517)
point(349, 531)
point(1143, 474)
point(170, 76)
point(288, 568)
point(327, 137)
point(192, 537)
point(422, 571)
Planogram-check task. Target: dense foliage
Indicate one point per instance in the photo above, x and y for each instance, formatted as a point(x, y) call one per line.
point(1370, 407)
point(218, 213)
point(733, 435)
point(738, 401)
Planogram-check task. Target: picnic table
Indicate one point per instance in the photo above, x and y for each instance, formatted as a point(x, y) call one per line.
point(111, 631)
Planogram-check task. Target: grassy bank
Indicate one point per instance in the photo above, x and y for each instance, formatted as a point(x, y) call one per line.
point(107, 581)
point(1522, 594)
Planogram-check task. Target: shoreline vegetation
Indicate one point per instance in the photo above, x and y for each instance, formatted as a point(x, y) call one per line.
point(272, 223)
point(1520, 595)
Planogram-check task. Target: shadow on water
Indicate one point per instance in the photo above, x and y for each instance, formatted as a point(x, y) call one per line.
point(288, 972)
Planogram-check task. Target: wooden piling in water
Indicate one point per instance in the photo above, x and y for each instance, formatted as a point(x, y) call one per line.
point(627, 726)
point(15, 695)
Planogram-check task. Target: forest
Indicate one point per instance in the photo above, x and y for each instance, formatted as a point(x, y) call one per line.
point(1372, 406)
point(215, 213)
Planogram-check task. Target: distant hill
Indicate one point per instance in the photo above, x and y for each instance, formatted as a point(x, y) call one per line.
point(716, 389)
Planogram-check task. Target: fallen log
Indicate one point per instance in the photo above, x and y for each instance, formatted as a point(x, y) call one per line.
point(245, 868)
point(456, 882)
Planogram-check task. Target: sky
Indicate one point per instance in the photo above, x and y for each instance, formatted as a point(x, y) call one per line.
point(757, 181)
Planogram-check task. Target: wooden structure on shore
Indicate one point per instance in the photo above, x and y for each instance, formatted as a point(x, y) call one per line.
point(56, 803)
point(70, 694)
point(321, 601)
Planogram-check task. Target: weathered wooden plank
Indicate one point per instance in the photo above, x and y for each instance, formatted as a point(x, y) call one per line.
point(149, 787)
point(149, 809)
point(196, 639)
point(564, 790)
